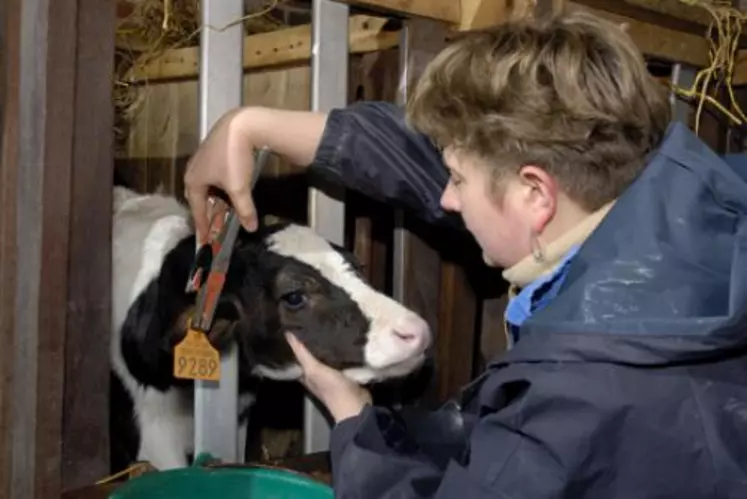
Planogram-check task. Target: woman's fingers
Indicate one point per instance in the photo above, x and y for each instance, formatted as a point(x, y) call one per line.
point(243, 204)
point(197, 197)
point(225, 161)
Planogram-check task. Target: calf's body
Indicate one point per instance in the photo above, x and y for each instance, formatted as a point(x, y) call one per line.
point(281, 278)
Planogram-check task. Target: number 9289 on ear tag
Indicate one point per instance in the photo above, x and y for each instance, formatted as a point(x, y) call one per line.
point(195, 358)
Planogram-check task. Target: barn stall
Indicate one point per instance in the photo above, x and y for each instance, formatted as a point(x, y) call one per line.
point(92, 88)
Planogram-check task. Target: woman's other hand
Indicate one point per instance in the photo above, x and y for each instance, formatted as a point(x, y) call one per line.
point(343, 397)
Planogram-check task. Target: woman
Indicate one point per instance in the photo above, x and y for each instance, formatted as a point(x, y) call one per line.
point(625, 243)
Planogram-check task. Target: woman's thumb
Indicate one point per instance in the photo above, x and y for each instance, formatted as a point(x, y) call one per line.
point(303, 356)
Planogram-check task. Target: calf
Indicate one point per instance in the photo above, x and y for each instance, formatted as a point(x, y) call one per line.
point(281, 278)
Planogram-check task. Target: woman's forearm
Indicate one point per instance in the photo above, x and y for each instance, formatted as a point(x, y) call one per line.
point(367, 147)
point(294, 135)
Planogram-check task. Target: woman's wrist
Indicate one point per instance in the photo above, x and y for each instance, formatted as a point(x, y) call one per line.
point(294, 135)
point(346, 410)
point(349, 405)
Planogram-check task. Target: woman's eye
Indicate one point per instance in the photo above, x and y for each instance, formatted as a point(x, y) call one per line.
point(294, 300)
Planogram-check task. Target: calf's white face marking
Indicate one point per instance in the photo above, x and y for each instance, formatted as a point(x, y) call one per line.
point(397, 338)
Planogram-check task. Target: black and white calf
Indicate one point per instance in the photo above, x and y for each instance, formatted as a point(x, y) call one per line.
point(281, 278)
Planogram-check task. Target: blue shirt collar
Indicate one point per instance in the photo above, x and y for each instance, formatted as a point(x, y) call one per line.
point(536, 295)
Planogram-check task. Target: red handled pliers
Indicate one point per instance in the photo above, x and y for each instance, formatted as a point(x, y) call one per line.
point(213, 258)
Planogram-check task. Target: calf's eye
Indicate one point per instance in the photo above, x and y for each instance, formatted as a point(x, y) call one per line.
point(294, 300)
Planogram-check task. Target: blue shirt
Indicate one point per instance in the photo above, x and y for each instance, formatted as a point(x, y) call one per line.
point(536, 295)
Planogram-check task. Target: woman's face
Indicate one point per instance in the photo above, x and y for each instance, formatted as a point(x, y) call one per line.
point(502, 224)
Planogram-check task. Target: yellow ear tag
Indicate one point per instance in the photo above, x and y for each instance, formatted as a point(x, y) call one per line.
point(195, 358)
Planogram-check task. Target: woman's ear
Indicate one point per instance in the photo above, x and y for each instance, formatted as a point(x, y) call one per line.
point(542, 195)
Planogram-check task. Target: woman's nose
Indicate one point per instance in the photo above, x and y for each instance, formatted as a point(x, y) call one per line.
point(449, 200)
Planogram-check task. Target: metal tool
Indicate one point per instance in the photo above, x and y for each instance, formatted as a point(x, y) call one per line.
point(213, 257)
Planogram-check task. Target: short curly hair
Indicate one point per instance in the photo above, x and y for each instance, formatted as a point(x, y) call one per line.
point(571, 94)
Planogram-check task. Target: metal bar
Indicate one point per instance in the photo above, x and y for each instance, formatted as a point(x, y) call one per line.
point(683, 76)
point(329, 89)
point(400, 240)
point(221, 89)
point(420, 41)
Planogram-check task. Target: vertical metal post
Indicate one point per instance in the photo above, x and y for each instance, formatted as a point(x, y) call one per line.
point(400, 239)
point(420, 41)
point(329, 89)
point(683, 76)
point(221, 89)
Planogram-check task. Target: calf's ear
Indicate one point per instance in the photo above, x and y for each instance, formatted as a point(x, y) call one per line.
point(227, 314)
point(178, 329)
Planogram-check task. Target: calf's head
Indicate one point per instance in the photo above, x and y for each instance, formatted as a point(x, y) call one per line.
point(288, 278)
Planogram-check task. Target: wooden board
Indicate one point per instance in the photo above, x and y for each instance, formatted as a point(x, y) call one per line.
point(85, 438)
point(367, 34)
point(480, 14)
point(671, 14)
point(9, 82)
point(657, 41)
point(439, 10)
point(56, 160)
point(266, 50)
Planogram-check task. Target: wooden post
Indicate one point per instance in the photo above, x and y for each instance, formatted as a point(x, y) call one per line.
point(55, 254)
point(9, 44)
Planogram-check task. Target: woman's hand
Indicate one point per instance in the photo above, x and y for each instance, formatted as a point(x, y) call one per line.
point(224, 160)
point(343, 397)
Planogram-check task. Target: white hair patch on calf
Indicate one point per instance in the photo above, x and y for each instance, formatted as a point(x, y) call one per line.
point(144, 229)
point(397, 338)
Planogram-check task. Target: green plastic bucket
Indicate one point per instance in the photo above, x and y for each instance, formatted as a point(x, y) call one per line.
point(204, 482)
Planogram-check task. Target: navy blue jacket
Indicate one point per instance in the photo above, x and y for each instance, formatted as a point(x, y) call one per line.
point(631, 383)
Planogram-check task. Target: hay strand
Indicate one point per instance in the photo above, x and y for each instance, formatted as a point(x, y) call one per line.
point(149, 28)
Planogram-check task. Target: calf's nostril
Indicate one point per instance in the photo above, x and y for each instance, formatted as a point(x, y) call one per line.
point(412, 330)
point(405, 336)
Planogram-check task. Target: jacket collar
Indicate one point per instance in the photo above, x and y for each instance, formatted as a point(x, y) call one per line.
point(555, 253)
point(661, 279)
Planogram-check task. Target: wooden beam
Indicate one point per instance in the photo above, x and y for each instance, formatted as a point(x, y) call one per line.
point(10, 14)
point(673, 14)
point(481, 14)
point(652, 39)
point(293, 45)
point(657, 41)
point(41, 168)
point(265, 50)
point(85, 435)
point(56, 161)
point(439, 10)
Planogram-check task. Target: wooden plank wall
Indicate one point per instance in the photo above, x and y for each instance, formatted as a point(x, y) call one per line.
point(55, 244)
point(164, 131)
